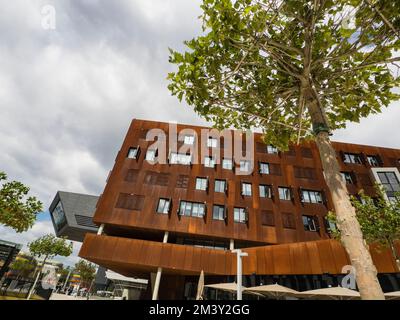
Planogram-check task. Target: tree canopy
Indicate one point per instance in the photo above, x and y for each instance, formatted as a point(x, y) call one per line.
point(256, 58)
point(50, 246)
point(23, 267)
point(86, 270)
point(379, 219)
point(17, 211)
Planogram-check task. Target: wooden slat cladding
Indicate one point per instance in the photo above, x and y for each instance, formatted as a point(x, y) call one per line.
point(267, 218)
point(304, 173)
point(156, 178)
point(128, 256)
point(132, 175)
point(130, 202)
point(182, 181)
point(288, 220)
point(306, 152)
point(275, 169)
point(364, 179)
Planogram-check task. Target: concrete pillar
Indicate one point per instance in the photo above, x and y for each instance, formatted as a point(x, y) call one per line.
point(159, 272)
point(101, 229)
point(239, 255)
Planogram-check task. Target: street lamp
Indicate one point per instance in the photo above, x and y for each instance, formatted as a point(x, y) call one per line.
point(239, 255)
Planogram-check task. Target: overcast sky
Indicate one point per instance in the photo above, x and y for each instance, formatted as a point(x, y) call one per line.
point(67, 95)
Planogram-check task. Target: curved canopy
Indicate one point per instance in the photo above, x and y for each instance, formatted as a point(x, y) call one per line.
point(334, 293)
point(272, 290)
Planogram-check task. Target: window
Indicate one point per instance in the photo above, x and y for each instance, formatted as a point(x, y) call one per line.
point(220, 186)
point(212, 142)
point(155, 178)
point(227, 164)
point(131, 175)
point(265, 191)
point(209, 162)
point(151, 155)
point(310, 223)
point(188, 140)
point(291, 152)
point(201, 184)
point(182, 181)
point(272, 150)
point(330, 225)
point(288, 220)
point(267, 218)
point(352, 158)
point(390, 183)
point(306, 152)
point(246, 189)
point(374, 161)
point(179, 158)
point(284, 193)
point(133, 153)
point(219, 212)
point(59, 216)
point(164, 206)
point(130, 201)
point(348, 177)
point(264, 168)
point(240, 215)
point(310, 196)
point(244, 166)
point(192, 209)
point(305, 173)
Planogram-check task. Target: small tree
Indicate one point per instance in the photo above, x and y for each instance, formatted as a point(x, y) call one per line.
point(24, 268)
point(379, 220)
point(17, 211)
point(48, 247)
point(87, 272)
point(297, 69)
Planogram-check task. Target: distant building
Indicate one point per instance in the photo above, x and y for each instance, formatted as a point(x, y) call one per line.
point(8, 252)
point(72, 215)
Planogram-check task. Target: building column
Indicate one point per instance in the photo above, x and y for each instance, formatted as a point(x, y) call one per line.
point(232, 244)
point(101, 230)
point(159, 271)
point(239, 256)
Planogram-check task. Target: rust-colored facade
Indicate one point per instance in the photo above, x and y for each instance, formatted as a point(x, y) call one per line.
point(283, 230)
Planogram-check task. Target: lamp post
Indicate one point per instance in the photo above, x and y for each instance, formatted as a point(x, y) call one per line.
point(239, 255)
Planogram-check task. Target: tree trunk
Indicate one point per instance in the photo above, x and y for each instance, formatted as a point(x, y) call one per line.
point(351, 235)
point(37, 279)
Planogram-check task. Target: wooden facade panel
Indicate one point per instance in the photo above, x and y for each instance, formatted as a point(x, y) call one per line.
point(299, 258)
point(325, 256)
point(339, 254)
point(383, 259)
point(313, 257)
point(281, 259)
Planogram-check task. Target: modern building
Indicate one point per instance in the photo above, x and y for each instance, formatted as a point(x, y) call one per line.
point(72, 215)
point(166, 221)
point(8, 252)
